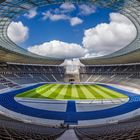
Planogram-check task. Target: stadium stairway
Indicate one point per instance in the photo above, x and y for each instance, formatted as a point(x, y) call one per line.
point(68, 135)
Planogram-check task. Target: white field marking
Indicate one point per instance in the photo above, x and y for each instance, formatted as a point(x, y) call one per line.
point(74, 92)
point(87, 93)
point(103, 94)
point(62, 93)
point(48, 93)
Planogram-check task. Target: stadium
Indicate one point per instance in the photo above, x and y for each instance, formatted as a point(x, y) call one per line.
point(42, 99)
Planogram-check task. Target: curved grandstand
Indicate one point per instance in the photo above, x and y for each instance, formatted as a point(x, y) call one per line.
point(39, 98)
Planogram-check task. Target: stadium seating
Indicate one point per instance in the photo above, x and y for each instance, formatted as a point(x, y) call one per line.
point(13, 75)
point(16, 75)
point(129, 130)
point(7, 82)
point(15, 130)
point(120, 74)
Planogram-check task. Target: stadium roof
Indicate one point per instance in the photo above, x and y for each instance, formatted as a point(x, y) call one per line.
point(11, 52)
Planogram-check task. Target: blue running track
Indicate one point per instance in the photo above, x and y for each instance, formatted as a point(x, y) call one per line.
point(71, 116)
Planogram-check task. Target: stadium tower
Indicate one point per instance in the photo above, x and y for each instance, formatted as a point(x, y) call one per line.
point(35, 101)
point(72, 74)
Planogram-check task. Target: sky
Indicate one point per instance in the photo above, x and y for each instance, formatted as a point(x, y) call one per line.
point(72, 31)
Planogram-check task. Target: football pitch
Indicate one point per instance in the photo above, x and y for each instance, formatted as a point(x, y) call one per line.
point(69, 91)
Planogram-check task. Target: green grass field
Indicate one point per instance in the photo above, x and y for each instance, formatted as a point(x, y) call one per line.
point(77, 92)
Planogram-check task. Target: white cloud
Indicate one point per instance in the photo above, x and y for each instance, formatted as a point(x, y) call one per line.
point(31, 14)
point(17, 32)
point(67, 7)
point(87, 9)
point(54, 17)
point(75, 21)
point(58, 49)
point(62, 13)
point(106, 38)
point(103, 39)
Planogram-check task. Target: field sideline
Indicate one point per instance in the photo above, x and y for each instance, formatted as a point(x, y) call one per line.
point(68, 91)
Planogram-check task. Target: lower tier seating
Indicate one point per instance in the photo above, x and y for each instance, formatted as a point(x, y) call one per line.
point(129, 130)
point(14, 130)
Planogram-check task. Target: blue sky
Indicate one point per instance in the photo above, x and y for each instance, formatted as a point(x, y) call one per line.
point(71, 31)
point(47, 30)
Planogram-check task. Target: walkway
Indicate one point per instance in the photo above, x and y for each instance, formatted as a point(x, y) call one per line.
point(68, 135)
